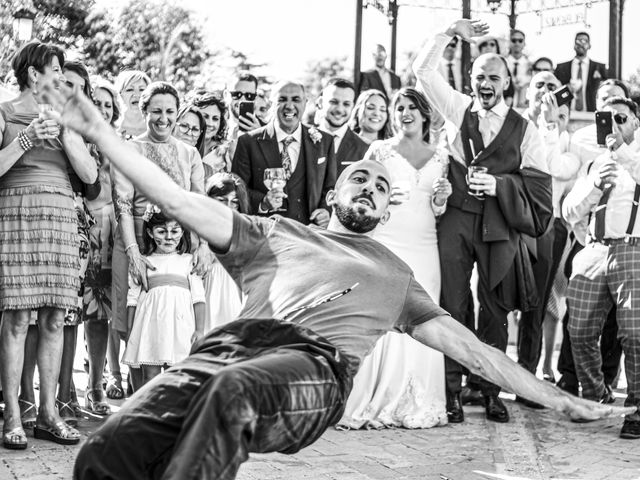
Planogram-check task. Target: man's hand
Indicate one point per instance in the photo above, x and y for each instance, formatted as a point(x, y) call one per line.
point(320, 217)
point(606, 175)
point(73, 109)
point(273, 200)
point(483, 182)
point(467, 29)
point(203, 260)
point(588, 410)
point(549, 108)
point(248, 122)
point(616, 139)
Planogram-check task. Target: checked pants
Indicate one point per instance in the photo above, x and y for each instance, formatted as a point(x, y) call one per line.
point(605, 276)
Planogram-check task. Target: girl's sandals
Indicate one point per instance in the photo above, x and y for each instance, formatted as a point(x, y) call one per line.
point(28, 413)
point(67, 412)
point(94, 403)
point(114, 388)
point(14, 439)
point(60, 433)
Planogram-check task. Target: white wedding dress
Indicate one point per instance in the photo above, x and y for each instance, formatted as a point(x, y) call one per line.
point(401, 382)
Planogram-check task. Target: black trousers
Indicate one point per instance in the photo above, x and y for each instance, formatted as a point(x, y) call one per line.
point(460, 244)
point(249, 386)
point(549, 247)
point(610, 346)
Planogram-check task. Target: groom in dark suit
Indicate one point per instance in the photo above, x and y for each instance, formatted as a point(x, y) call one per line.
point(380, 77)
point(306, 154)
point(582, 74)
point(335, 105)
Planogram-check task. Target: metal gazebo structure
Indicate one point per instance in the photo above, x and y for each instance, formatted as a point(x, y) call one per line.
point(511, 8)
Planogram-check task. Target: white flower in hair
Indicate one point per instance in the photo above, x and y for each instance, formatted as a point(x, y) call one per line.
point(151, 209)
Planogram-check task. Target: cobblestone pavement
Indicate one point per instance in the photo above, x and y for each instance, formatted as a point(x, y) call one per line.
point(534, 445)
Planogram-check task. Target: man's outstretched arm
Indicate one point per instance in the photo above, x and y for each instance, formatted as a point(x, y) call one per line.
point(206, 217)
point(456, 341)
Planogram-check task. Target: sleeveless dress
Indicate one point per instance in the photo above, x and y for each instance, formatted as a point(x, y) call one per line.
point(164, 320)
point(39, 245)
point(401, 382)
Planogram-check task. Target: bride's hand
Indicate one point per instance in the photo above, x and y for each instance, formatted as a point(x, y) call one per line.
point(441, 191)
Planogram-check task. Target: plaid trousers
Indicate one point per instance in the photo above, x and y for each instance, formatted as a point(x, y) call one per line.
point(604, 276)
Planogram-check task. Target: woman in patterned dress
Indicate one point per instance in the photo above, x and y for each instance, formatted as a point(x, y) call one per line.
point(159, 104)
point(39, 256)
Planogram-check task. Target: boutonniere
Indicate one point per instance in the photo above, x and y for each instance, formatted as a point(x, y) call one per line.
point(315, 134)
point(150, 210)
point(596, 75)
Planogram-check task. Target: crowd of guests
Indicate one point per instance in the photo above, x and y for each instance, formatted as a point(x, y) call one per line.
point(471, 191)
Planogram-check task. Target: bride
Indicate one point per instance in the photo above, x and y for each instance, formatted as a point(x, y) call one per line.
point(401, 382)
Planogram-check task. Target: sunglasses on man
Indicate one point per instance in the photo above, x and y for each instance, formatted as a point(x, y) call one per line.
point(620, 118)
point(237, 95)
point(517, 40)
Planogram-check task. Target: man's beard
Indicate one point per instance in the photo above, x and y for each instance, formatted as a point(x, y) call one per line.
point(353, 220)
point(334, 124)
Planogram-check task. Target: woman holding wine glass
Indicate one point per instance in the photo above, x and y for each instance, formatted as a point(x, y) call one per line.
point(401, 382)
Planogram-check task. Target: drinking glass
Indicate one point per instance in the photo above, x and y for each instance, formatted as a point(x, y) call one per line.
point(471, 173)
point(275, 179)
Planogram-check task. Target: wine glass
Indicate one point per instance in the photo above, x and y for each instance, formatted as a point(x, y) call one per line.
point(275, 179)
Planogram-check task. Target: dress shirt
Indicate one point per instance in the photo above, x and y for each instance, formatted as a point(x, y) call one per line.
point(294, 147)
point(584, 197)
point(584, 78)
point(521, 80)
point(443, 68)
point(337, 135)
point(386, 80)
point(452, 106)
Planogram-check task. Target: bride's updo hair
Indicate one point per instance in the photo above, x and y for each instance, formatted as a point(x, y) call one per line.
point(420, 101)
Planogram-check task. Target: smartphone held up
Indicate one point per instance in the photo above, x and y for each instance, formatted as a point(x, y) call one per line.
point(604, 127)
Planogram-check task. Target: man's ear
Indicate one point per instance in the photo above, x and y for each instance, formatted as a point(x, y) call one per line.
point(385, 217)
point(318, 102)
point(331, 198)
point(507, 82)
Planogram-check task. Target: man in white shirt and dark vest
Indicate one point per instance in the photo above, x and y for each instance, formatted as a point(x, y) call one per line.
point(513, 196)
point(606, 272)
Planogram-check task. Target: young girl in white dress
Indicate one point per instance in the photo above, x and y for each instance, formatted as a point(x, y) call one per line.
point(169, 316)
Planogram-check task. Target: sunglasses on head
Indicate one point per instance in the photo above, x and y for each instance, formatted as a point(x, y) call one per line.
point(237, 95)
point(517, 40)
point(550, 86)
point(620, 118)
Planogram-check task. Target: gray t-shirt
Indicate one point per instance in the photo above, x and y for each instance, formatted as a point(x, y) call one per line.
point(284, 266)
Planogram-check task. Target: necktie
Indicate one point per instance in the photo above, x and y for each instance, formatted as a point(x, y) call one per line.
point(285, 158)
point(579, 101)
point(515, 69)
point(601, 209)
point(452, 78)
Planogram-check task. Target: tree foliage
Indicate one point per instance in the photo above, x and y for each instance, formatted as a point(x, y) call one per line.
point(318, 72)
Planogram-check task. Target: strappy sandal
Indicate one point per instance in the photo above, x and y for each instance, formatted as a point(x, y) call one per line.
point(70, 418)
point(28, 414)
point(14, 439)
point(114, 388)
point(97, 407)
point(60, 433)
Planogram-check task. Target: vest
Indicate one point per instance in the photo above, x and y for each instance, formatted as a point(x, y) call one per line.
point(297, 201)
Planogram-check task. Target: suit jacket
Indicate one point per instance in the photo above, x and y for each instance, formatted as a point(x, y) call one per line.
point(371, 79)
point(258, 149)
point(352, 148)
point(597, 73)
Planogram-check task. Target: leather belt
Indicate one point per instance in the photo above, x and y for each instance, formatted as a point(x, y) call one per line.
point(633, 241)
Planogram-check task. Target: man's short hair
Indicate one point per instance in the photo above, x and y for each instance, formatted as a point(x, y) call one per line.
point(585, 34)
point(515, 30)
point(242, 76)
point(614, 82)
point(339, 83)
point(542, 59)
point(630, 104)
point(282, 83)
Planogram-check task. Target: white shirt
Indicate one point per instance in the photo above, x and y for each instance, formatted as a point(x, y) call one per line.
point(452, 106)
point(585, 77)
point(521, 80)
point(337, 135)
point(443, 67)
point(294, 147)
point(584, 197)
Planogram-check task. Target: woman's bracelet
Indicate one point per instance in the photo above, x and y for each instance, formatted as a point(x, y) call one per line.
point(25, 142)
point(130, 246)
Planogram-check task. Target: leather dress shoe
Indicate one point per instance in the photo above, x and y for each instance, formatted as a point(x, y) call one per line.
point(630, 429)
point(495, 409)
point(529, 403)
point(568, 386)
point(455, 414)
point(471, 396)
point(608, 396)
